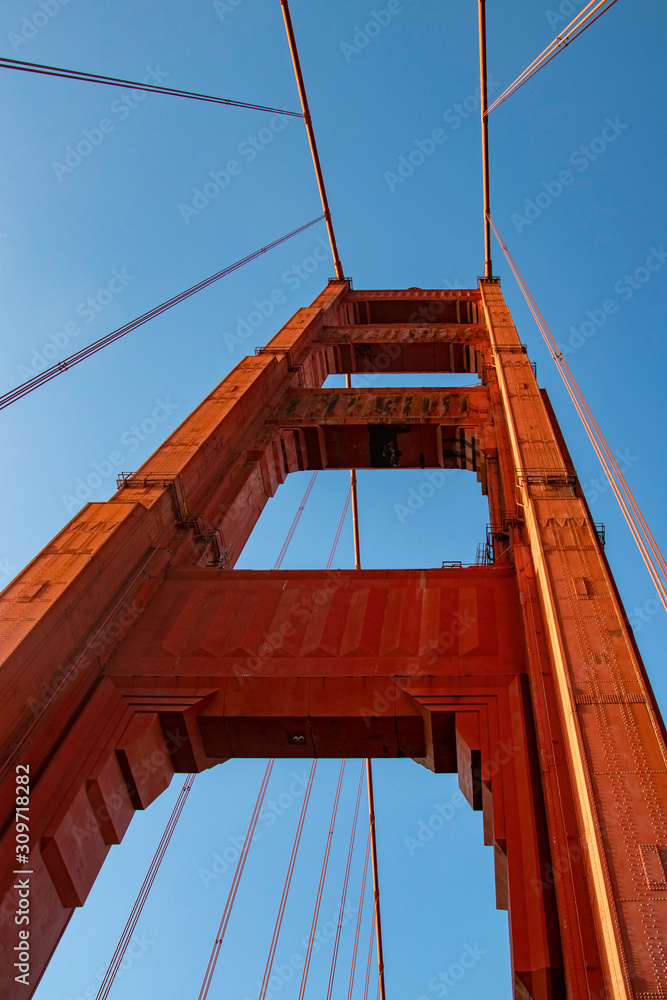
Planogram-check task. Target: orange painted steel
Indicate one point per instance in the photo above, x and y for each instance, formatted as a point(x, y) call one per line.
point(376, 878)
point(301, 86)
point(484, 104)
point(132, 649)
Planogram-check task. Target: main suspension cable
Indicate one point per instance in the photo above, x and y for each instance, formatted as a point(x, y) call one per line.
point(112, 81)
point(297, 518)
point(346, 879)
point(288, 879)
point(240, 865)
point(583, 20)
point(338, 267)
point(142, 895)
point(320, 888)
point(629, 506)
point(74, 359)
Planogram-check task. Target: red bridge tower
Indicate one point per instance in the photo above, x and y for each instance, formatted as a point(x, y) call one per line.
point(131, 638)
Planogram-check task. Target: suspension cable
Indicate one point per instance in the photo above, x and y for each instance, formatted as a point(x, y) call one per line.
point(376, 880)
point(288, 879)
point(355, 502)
point(616, 479)
point(112, 81)
point(240, 865)
point(74, 359)
point(484, 103)
point(583, 20)
point(629, 506)
point(297, 517)
point(142, 895)
point(346, 879)
point(338, 267)
point(360, 911)
point(339, 529)
point(318, 898)
point(370, 956)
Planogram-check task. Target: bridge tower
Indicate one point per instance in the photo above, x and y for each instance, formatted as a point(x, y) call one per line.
point(132, 649)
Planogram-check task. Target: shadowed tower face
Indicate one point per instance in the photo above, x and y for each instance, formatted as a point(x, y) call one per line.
point(132, 649)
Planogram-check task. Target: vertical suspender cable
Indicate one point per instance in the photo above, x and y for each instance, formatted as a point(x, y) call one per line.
point(318, 898)
point(217, 945)
point(288, 879)
point(346, 879)
point(370, 958)
point(339, 529)
point(338, 267)
point(360, 911)
point(297, 517)
point(142, 895)
point(488, 268)
point(376, 881)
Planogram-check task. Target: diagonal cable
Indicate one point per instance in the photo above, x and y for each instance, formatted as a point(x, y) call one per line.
point(626, 500)
point(142, 896)
point(112, 81)
point(240, 865)
point(320, 887)
point(339, 529)
point(583, 20)
point(74, 359)
point(297, 518)
point(346, 880)
point(286, 887)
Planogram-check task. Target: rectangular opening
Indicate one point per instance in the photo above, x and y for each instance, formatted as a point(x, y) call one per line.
point(409, 519)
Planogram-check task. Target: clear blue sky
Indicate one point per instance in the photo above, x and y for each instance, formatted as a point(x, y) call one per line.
point(68, 230)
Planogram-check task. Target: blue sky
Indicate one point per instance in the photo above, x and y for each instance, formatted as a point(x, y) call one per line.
point(87, 246)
